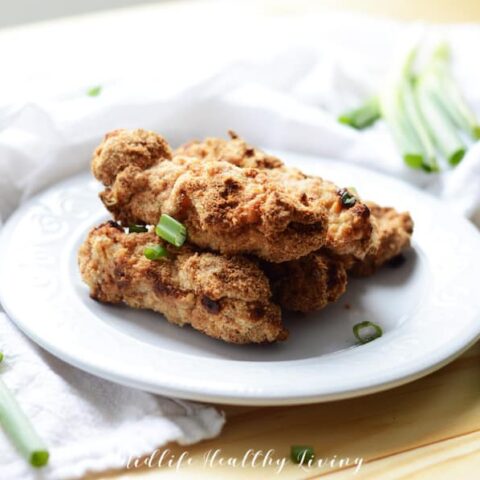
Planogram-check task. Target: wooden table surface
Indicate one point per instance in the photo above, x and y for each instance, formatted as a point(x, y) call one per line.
point(428, 429)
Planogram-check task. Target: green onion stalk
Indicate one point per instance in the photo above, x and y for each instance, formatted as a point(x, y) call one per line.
point(442, 104)
point(400, 110)
point(19, 429)
point(441, 127)
point(443, 87)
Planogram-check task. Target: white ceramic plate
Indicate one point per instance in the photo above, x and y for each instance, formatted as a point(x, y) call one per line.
point(429, 308)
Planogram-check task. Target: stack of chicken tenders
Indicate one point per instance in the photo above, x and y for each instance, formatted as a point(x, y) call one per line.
point(260, 236)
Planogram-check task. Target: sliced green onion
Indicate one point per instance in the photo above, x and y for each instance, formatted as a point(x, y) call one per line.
point(301, 454)
point(19, 428)
point(348, 200)
point(367, 331)
point(155, 252)
point(137, 229)
point(171, 230)
point(363, 116)
point(94, 91)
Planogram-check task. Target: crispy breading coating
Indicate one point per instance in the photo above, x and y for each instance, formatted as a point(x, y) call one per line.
point(224, 207)
point(394, 234)
point(301, 284)
point(224, 297)
point(307, 284)
point(351, 229)
point(314, 281)
point(142, 150)
point(234, 150)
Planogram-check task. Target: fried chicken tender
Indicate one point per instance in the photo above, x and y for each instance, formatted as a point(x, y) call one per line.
point(224, 207)
point(351, 228)
point(312, 282)
point(307, 284)
point(394, 234)
point(320, 278)
point(224, 297)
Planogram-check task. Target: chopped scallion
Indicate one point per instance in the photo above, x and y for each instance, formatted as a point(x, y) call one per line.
point(367, 331)
point(155, 252)
point(363, 116)
point(137, 229)
point(348, 200)
point(301, 454)
point(171, 230)
point(94, 91)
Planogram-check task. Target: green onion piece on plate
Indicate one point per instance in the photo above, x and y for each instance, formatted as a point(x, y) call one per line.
point(367, 331)
point(137, 229)
point(19, 429)
point(301, 453)
point(155, 252)
point(171, 230)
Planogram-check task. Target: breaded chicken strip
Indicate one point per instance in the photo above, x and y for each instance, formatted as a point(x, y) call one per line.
point(351, 229)
point(394, 234)
point(307, 284)
point(224, 207)
point(320, 278)
point(224, 297)
point(301, 285)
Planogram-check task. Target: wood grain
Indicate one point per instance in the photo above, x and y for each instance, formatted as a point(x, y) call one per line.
point(426, 429)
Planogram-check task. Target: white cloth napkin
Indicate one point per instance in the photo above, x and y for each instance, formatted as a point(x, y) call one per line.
point(285, 96)
point(89, 424)
point(284, 90)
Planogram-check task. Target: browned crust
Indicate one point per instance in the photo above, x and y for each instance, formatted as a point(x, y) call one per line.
point(224, 297)
point(307, 284)
point(394, 235)
point(312, 282)
point(350, 231)
point(224, 207)
point(142, 150)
